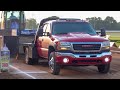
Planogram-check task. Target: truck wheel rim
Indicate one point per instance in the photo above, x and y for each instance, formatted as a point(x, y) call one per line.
point(51, 63)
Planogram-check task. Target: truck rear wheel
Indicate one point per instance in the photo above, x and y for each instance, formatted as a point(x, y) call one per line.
point(55, 68)
point(104, 68)
point(28, 60)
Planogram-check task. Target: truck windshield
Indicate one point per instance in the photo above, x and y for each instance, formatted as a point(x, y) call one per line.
point(67, 27)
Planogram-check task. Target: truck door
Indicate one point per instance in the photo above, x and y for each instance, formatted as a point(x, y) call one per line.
point(46, 41)
point(40, 42)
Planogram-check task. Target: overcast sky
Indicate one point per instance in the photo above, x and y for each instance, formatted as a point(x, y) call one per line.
point(38, 15)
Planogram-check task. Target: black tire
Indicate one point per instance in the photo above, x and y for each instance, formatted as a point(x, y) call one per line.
point(55, 69)
point(49, 54)
point(104, 68)
point(28, 60)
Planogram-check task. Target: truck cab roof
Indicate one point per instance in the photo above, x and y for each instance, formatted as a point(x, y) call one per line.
point(66, 20)
point(57, 19)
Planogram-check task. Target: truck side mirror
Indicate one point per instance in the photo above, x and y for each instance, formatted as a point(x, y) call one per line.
point(103, 32)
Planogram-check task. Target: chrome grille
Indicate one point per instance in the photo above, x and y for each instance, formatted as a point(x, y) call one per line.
point(86, 46)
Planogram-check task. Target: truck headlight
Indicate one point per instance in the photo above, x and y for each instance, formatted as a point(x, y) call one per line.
point(64, 46)
point(106, 45)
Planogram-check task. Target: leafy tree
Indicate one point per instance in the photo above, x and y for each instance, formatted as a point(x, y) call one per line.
point(118, 26)
point(31, 23)
point(108, 23)
point(96, 22)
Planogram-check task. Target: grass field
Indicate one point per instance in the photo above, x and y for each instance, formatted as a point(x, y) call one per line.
point(114, 34)
point(115, 37)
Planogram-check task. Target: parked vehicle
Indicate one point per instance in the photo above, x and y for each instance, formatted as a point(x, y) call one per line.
point(13, 30)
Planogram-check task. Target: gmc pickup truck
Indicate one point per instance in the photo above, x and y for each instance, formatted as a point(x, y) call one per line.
point(69, 42)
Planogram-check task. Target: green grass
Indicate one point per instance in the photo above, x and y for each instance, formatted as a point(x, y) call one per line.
point(118, 44)
point(114, 37)
point(116, 34)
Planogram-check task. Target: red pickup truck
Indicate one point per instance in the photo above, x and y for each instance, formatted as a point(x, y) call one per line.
point(69, 42)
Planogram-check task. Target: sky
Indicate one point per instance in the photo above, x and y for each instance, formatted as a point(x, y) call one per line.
point(38, 15)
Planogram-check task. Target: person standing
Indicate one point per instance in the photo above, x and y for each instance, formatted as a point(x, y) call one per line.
point(14, 25)
point(12, 16)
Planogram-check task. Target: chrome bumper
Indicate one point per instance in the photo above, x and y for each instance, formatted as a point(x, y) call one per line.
point(80, 55)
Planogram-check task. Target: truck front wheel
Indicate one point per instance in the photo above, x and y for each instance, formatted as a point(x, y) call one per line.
point(28, 60)
point(104, 68)
point(55, 68)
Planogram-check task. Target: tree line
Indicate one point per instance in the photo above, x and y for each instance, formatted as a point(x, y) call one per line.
point(31, 23)
point(109, 23)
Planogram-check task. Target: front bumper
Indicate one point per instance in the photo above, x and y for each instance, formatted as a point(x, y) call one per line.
point(82, 59)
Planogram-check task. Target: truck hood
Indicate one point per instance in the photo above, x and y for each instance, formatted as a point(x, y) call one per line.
point(78, 37)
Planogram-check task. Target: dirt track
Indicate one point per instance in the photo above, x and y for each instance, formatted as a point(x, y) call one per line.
point(19, 70)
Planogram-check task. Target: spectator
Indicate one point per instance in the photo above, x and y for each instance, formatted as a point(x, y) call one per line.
point(14, 25)
point(12, 16)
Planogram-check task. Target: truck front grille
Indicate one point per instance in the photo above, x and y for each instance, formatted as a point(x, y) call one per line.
point(86, 47)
